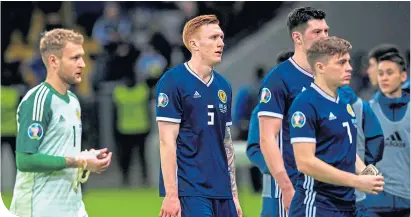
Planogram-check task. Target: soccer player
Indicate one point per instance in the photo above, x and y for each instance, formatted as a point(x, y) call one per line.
point(270, 203)
point(323, 134)
point(278, 91)
point(49, 158)
point(393, 112)
point(197, 176)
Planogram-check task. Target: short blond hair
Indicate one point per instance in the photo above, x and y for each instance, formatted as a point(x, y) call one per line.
point(53, 41)
point(194, 24)
point(327, 47)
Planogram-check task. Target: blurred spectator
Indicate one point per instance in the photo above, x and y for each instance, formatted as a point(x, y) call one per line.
point(113, 26)
point(132, 124)
point(150, 65)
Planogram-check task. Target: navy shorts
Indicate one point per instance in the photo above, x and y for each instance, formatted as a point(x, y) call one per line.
point(207, 207)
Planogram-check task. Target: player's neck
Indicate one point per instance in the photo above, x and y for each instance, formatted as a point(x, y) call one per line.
point(59, 85)
point(300, 58)
point(328, 89)
point(202, 70)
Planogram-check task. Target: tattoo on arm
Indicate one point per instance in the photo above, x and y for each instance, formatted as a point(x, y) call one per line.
point(229, 148)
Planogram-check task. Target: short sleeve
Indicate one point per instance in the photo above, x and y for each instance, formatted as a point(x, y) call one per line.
point(169, 104)
point(272, 98)
point(33, 118)
point(302, 122)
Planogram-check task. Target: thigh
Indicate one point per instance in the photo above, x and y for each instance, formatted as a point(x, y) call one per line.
point(224, 208)
point(196, 206)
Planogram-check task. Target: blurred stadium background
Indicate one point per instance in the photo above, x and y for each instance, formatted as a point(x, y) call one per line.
point(140, 41)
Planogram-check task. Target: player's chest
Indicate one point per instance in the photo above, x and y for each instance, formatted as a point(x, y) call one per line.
point(67, 118)
point(337, 119)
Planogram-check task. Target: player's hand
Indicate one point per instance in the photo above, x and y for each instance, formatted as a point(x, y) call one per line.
point(237, 206)
point(171, 207)
point(97, 161)
point(370, 183)
point(287, 196)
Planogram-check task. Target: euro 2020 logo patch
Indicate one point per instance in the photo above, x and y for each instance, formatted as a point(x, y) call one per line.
point(162, 100)
point(350, 111)
point(265, 95)
point(35, 131)
point(298, 119)
point(222, 96)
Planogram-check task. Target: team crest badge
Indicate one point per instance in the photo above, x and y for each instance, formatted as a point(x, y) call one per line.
point(35, 131)
point(78, 114)
point(265, 95)
point(350, 111)
point(222, 96)
point(162, 100)
point(298, 119)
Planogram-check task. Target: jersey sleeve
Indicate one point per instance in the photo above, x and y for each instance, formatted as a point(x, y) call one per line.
point(273, 95)
point(33, 118)
point(302, 122)
point(169, 104)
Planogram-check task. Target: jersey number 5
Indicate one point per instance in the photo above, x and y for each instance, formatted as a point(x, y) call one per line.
point(211, 115)
point(345, 124)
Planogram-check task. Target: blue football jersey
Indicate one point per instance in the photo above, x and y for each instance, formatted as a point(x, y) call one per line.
point(203, 111)
point(278, 91)
point(329, 123)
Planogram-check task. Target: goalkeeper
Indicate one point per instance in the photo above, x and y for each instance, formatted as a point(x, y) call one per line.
point(50, 164)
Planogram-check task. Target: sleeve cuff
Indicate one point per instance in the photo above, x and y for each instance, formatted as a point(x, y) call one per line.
point(173, 120)
point(270, 114)
point(303, 139)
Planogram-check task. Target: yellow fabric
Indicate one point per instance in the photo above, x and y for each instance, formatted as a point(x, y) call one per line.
point(132, 109)
point(9, 103)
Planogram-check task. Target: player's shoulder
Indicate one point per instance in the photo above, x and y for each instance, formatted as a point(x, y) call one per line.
point(37, 100)
point(172, 75)
point(72, 95)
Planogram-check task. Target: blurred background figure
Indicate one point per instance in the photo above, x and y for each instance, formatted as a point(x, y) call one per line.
point(129, 45)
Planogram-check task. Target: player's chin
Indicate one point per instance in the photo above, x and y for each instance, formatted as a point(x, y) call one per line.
point(76, 80)
point(345, 82)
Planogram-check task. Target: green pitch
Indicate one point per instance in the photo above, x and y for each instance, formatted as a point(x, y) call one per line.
point(141, 202)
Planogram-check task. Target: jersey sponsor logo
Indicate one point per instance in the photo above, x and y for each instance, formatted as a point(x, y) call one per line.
point(196, 95)
point(162, 100)
point(298, 119)
point(350, 111)
point(78, 114)
point(302, 90)
point(35, 131)
point(395, 140)
point(222, 96)
point(265, 95)
point(62, 119)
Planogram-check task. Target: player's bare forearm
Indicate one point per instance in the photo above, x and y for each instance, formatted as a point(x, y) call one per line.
point(269, 128)
point(229, 148)
point(168, 134)
point(359, 165)
point(310, 165)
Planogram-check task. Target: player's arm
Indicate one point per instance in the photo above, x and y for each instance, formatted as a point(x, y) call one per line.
point(374, 137)
point(270, 115)
point(253, 144)
point(168, 133)
point(229, 148)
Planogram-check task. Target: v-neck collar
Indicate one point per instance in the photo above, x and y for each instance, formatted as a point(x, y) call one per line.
point(195, 75)
point(324, 94)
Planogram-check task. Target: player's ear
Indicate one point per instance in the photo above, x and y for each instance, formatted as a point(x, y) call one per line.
point(403, 76)
point(319, 67)
point(297, 37)
point(193, 45)
point(53, 61)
